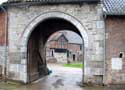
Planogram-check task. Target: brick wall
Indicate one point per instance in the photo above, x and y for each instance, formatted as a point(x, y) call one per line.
point(2, 28)
point(2, 42)
point(71, 46)
point(56, 44)
point(74, 47)
point(115, 43)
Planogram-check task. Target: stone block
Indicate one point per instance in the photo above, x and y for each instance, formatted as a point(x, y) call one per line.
point(23, 68)
point(96, 71)
point(23, 61)
point(14, 58)
point(100, 24)
point(23, 77)
point(14, 67)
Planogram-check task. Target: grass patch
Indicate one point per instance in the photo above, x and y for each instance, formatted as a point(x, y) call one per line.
point(74, 65)
point(9, 85)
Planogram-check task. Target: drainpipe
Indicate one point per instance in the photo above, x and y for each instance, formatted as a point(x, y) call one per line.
point(105, 37)
point(104, 77)
point(5, 27)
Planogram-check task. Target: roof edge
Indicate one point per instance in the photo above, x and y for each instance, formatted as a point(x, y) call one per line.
point(48, 2)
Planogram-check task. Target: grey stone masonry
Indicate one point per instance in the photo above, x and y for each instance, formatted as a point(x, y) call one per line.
point(88, 18)
point(2, 59)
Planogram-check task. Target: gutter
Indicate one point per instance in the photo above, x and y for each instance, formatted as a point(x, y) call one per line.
point(5, 54)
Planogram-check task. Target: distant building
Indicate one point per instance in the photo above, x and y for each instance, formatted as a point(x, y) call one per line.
point(61, 49)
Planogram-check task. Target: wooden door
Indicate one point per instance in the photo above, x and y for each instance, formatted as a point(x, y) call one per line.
point(32, 59)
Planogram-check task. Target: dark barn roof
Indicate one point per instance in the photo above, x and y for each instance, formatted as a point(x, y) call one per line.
point(114, 7)
point(46, 2)
point(56, 36)
point(53, 1)
point(111, 7)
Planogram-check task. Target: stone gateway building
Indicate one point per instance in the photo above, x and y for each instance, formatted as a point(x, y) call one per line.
point(29, 24)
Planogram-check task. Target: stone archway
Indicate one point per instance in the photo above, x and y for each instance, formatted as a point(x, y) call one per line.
point(42, 17)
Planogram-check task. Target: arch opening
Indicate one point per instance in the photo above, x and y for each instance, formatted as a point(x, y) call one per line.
point(36, 47)
point(64, 45)
point(64, 56)
point(33, 34)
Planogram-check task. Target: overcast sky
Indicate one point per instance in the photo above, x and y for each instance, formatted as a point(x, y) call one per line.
point(1, 1)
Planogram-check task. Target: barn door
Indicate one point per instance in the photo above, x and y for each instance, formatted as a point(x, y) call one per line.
point(32, 59)
point(36, 67)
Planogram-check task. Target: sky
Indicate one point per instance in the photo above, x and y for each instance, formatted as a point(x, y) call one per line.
point(1, 1)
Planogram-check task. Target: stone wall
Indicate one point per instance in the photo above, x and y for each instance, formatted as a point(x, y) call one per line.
point(89, 16)
point(115, 44)
point(2, 59)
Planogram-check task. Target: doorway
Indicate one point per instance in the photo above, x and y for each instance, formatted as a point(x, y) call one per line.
point(37, 66)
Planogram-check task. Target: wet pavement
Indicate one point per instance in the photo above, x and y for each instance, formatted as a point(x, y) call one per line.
point(62, 78)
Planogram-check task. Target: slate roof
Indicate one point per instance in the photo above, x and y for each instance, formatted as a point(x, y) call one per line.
point(46, 2)
point(111, 7)
point(74, 38)
point(70, 36)
point(114, 7)
point(56, 36)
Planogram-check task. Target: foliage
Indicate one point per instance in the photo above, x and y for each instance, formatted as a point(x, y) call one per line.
point(74, 65)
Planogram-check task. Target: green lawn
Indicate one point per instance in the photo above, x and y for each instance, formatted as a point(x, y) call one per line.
point(74, 65)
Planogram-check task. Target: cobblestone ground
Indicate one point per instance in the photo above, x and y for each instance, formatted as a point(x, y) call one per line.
point(62, 78)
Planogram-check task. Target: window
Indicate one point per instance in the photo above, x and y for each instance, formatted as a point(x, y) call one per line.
point(62, 42)
point(80, 47)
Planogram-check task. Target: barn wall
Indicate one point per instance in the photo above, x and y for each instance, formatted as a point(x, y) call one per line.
point(115, 44)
